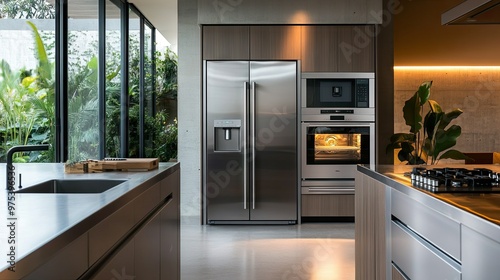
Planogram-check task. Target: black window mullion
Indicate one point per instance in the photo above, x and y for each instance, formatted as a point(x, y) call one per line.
point(102, 79)
point(142, 78)
point(153, 72)
point(61, 90)
point(124, 98)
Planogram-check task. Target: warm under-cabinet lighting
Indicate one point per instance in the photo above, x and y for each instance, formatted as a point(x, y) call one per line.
point(447, 68)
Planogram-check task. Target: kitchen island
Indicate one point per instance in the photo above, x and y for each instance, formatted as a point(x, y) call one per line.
point(129, 230)
point(406, 232)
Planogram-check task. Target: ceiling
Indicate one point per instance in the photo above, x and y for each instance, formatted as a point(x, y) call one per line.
point(163, 15)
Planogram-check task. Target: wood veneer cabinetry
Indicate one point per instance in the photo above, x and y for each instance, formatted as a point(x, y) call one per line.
point(226, 42)
point(321, 48)
point(327, 205)
point(338, 48)
point(370, 228)
point(276, 42)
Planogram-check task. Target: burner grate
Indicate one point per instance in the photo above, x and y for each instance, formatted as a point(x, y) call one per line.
point(455, 179)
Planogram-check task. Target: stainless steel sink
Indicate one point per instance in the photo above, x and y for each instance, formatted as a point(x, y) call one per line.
point(72, 186)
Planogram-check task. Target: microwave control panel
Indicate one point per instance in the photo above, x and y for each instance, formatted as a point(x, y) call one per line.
point(362, 93)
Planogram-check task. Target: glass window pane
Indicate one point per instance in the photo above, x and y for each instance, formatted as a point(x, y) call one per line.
point(148, 90)
point(27, 78)
point(113, 79)
point(134, 85)
point(83, 109)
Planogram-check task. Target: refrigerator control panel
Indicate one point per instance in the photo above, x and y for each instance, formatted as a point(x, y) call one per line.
point(227, 123)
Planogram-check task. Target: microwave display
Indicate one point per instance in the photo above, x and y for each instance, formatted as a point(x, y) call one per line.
point(339, 93)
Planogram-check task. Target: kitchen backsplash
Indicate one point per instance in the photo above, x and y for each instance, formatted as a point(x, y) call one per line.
point(475, 90)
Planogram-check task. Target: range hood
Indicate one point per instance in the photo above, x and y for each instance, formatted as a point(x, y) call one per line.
point(473, 12)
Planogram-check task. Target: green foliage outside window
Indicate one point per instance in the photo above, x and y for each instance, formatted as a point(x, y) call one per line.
point(27, 106)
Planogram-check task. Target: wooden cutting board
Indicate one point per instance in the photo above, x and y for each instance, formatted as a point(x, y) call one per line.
point(123, 164)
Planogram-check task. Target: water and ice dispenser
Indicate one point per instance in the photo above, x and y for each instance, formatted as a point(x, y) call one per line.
point(227, 135)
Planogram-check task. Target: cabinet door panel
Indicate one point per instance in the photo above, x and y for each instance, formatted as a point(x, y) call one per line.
point(327, 205)
point(356, 48)
point(370, 228)
point(120, 266)
point(226, 42)
point(106, 233)
point(170, 240)
point(479, 255)
point(69, 263)
point(319, 49)
point(147, 250)
point(275, 42)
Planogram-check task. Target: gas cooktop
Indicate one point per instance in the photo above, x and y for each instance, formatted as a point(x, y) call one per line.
point(455, 180)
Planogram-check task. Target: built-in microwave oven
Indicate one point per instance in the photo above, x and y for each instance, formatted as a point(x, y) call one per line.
point(338, 96)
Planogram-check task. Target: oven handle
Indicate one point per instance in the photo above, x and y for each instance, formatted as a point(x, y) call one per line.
point(327, 190)
point(330, 183)
point(338, 124)
point(328, 187)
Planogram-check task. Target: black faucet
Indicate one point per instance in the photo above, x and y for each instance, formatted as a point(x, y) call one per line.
point(10, 169)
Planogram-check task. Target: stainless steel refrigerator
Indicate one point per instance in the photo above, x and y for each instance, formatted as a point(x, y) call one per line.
point(250, 142)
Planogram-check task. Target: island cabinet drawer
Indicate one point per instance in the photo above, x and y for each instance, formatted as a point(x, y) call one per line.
point(438, 229)
point(106, 233)
point(480, 255)
point(419, 260)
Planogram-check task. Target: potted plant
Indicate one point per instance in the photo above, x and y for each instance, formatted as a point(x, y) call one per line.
point(429, 139)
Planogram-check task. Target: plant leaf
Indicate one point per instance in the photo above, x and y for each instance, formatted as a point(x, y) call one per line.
point(435, 107)
point(430, 121)
point(454, 154)
point(448, 117)
point(424, 92)
point(446, 139)
point(399, 138)
point(43, 61)
point(411, 113)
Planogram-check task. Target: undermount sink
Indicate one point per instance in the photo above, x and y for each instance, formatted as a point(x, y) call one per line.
point(72, 186)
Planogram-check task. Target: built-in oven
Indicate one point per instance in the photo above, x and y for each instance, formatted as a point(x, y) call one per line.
point(330, 153)
point(331, 150)
point(338, 133)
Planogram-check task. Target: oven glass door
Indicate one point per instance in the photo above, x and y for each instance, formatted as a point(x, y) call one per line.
point(337, 144)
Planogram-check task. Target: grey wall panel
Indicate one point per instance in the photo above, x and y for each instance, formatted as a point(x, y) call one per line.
point(289, 12)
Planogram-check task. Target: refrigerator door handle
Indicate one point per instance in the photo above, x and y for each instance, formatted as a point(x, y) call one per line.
point(252, 120)
point(245, 144)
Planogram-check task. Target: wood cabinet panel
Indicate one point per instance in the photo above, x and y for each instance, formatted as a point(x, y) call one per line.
point(356, 48)
point(338, 48)
point(327, 205)
point(370, 228)
point(226, 42)
point(319, 49)
point(275, 42)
